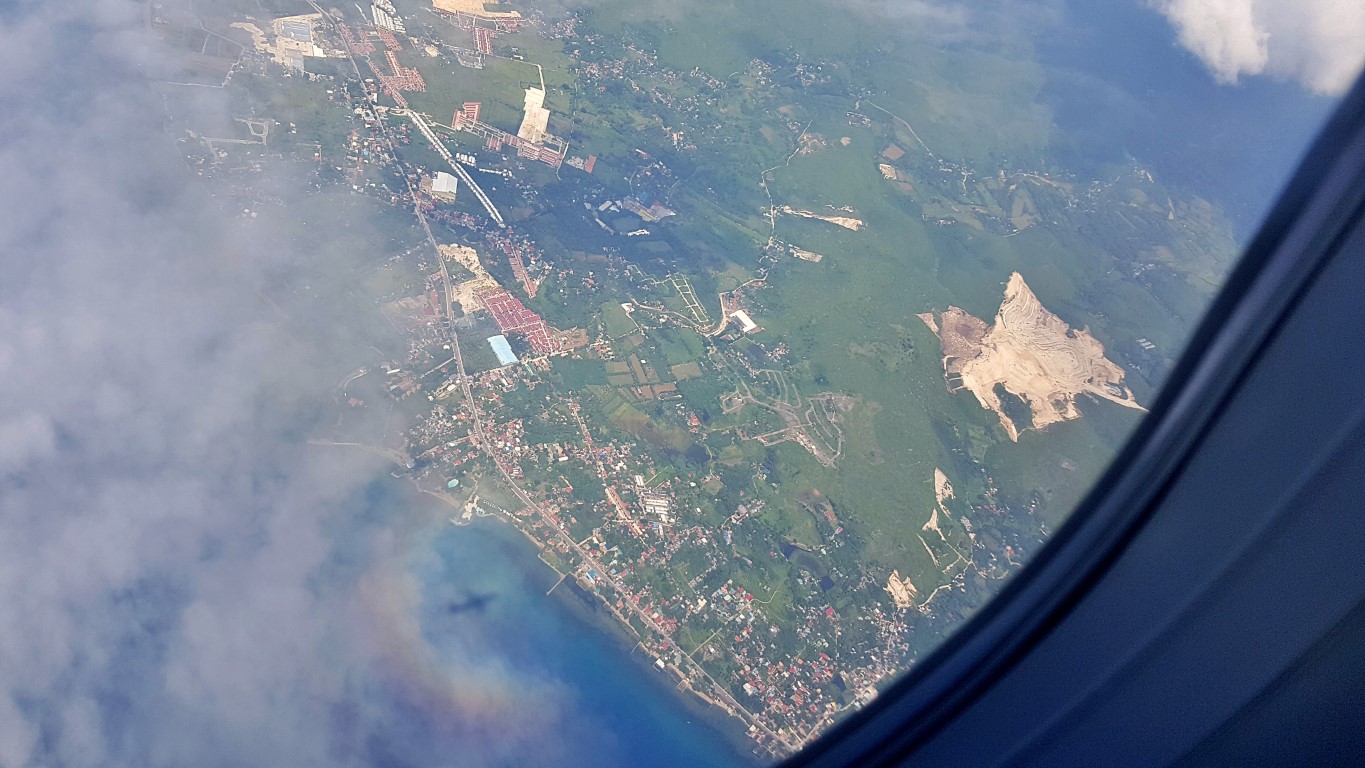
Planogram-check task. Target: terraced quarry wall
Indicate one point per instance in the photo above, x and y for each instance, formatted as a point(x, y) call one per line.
point(1032, 353)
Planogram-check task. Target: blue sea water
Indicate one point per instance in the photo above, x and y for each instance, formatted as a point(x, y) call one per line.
point(486, 579)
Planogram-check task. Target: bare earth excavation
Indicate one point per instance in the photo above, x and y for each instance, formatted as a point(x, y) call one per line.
point(1032, 354)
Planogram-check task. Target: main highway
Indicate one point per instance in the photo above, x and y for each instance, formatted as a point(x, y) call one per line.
point(460, 171)
point(484, 445)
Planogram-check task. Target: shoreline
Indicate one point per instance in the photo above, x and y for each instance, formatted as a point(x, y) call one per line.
point(588, 607)
point(593, 610)
point(729, 727)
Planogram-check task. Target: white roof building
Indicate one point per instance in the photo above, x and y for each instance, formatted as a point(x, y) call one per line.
point(746, 323)
point(502, 349)
point(444, 186)
point(535, 121)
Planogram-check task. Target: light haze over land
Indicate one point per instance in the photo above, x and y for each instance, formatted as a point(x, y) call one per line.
point(185, 580)
point(182, 580)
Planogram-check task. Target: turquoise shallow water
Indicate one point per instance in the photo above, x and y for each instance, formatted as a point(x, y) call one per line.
point(484, 582)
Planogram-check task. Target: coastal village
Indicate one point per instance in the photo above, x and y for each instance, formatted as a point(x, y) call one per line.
point(632, 443)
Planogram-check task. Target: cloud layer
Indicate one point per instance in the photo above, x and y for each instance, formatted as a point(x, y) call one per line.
point(1318, 43)
point(182, 582)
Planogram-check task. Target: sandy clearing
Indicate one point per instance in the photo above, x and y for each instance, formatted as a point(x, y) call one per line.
point(473, 8)
point(942, 488)
point(469, 292)
point(257, 36)
point(1033, 354)
point(847, 222)
point(464, 256)
point(960, 338)
point(928, 319)
point(902, 591)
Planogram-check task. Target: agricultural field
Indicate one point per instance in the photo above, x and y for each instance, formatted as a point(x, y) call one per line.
point(947, 229)
point(753, 247)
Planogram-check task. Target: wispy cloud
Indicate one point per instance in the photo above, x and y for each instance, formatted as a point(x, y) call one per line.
point(1318, 43)
point(170, 589)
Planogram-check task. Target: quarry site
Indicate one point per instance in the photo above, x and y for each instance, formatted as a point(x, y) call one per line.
point(847, 222)
point(1032, 354)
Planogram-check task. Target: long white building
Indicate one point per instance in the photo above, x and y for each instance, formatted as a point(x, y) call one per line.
point(535, 122)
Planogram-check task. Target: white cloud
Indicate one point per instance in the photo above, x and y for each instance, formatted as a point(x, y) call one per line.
point(177, 569)
point(1319, 43)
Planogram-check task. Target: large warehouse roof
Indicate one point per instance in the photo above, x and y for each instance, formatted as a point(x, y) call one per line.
point(502, 349)
point(444, 184)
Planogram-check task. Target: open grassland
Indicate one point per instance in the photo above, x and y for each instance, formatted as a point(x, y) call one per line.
point(616, 321)
point(932, 175)
point(970, 99)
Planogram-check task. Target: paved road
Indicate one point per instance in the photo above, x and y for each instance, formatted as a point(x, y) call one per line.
point(484, 445)
point(459, 169)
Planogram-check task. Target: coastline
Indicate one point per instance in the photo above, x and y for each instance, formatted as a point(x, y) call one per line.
point(590, 610)
point(594, 613)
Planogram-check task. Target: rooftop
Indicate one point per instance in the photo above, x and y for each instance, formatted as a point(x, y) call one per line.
point(502, 349)
point(444, 184)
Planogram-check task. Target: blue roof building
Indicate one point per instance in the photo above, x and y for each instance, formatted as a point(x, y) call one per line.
point(502, 349)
